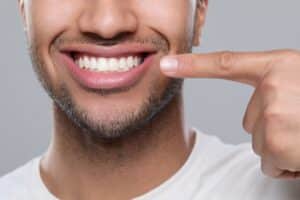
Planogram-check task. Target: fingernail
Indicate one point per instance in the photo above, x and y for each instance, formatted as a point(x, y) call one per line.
point(169, 64)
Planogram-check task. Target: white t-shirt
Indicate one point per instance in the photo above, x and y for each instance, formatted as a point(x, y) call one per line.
point(213, 171)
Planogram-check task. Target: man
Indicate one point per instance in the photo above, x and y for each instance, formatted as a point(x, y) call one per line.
point(112, 70)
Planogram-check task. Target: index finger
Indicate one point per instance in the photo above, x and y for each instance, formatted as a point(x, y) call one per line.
point(245, 67)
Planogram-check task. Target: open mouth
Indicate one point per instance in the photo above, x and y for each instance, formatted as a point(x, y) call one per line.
point(121, 63)
point(96, 67)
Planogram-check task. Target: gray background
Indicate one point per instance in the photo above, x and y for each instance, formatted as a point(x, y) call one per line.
point(214, 106)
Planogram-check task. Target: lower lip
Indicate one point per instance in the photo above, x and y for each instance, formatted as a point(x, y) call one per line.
point(107, 80)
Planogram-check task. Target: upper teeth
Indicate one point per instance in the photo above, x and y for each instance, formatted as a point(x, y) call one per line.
point(108, 64)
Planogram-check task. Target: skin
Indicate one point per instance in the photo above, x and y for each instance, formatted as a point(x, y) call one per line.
point(272, 116)
point(113, 170)
point(114, 162)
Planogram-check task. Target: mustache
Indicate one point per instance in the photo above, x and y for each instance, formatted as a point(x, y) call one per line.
point(158, 42)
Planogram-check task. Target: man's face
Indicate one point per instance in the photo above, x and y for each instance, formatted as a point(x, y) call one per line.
point(99, 59)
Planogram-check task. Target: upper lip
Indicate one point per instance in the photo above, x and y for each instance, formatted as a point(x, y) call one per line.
point(108, 51)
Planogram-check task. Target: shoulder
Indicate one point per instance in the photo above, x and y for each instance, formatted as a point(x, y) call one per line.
point(215, 152)
point(16, 184)
point(236, 171)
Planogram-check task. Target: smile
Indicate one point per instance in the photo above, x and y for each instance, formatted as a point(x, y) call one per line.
point(116, 67)
point(102, 64)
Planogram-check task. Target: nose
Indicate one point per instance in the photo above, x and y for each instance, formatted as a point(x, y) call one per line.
point(108, 18)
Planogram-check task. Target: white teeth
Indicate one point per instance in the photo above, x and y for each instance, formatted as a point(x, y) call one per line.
point(86, 61)
point(93, 63)
point(130, 61)
point(135, 61)
point(81, 64)
point(102, 64)
point(108, 64)
point(113, 64)
point(123, 64)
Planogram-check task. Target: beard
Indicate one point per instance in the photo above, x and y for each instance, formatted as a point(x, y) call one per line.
point(126, 124)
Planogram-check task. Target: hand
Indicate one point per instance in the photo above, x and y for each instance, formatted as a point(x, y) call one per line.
point(273, 113)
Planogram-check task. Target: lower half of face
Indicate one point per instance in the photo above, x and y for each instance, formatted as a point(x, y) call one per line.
point(101, 95)
point(108, 113)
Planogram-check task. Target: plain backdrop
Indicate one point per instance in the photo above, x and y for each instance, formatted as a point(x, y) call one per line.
point(213, 106)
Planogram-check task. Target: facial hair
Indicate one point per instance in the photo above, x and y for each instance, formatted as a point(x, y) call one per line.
point(126, 124)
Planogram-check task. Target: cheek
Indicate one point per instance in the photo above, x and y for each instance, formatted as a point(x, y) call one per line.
point(46, 19)
point(172, 18)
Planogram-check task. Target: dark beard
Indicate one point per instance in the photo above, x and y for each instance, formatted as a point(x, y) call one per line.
point(125, 125)
point(120, 128)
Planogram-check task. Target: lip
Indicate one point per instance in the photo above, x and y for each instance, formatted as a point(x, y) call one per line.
point(108, 51)
point(107, 80)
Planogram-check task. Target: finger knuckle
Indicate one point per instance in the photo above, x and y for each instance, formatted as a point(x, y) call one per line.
point(270, 83)
point(266, 169)
point(256, 148)
point(272, 115)
point(192, 66)
point(226, 61)
point(275, 145)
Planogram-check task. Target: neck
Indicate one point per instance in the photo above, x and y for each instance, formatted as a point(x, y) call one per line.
point(120, 169)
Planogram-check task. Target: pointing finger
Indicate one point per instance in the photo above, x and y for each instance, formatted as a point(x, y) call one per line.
point(245, 67)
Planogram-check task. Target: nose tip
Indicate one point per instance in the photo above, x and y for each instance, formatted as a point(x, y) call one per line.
point(109, 20)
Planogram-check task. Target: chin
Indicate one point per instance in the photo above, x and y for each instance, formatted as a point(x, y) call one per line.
point(117, 115)
point(110, 123)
